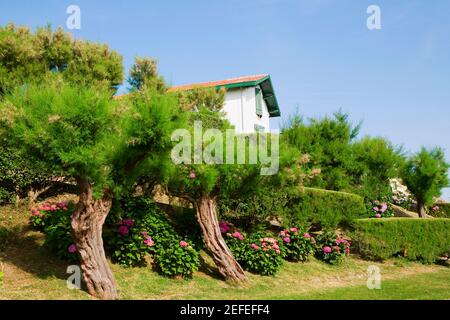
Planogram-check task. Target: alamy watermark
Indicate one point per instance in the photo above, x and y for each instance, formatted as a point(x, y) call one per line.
point(74, 280)
point(74, 19)
point(374, 19)
point(373, 277)
point(212, 147)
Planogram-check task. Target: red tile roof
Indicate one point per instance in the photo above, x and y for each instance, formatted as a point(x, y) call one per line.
point(219, 82)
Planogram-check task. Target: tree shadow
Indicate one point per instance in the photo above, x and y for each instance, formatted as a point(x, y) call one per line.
point(209, 269)
point(27, 252)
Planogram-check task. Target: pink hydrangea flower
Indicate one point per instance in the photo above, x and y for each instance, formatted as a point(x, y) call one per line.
point(287, 239)
point(36, 213)
point(376, 209)
point(347, 250)
point(282, 234)
point(378, 215)
point(123, 230)
point(327, 250)
point(435, 208)
point(306, 235)
point(384, 207)
point(278, 251)
point(275, 246)
point(128, 222)
point(61, 205)
point(238, 235)
point(149, 242)
point(224, 227)
point(72, 248)
point(192, 175)
point(144, 234)
point(294, 229)
point(184, 244)
point(255, 246)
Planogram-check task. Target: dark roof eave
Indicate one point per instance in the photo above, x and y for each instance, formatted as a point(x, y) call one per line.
point(267, 89)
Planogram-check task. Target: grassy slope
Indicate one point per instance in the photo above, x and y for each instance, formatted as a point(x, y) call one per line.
point(31, 272)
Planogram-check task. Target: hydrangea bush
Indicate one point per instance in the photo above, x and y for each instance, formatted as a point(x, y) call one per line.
point(259, 253)
point(54, 221)
point(137, 227)
point(177, 260)
point(298, 244)
point(332, 249)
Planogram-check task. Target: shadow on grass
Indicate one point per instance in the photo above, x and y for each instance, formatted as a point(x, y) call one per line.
point(25, 250)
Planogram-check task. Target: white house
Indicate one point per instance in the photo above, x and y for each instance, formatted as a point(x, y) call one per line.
point(249, 101)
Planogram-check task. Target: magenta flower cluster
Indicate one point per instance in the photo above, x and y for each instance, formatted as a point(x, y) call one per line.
point(230, 230)
point(286, 234)
point(124, 226)
point(267, 244)
point(72, 248)
point(341, 245)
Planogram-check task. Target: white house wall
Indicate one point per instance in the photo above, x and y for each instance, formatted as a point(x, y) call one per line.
point(240, 110)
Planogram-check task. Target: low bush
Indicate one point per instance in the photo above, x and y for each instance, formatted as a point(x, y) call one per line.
point(331, 248)
point(440, 210)
point(137, 227)
point(295, 206)
point(258, 253)
point(177, 260)
point(54, 221)
point(329, 209)
point(415, 239)
point(297, 244)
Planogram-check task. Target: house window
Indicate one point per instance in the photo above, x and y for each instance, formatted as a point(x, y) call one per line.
point(259, 102)
point(259, 128)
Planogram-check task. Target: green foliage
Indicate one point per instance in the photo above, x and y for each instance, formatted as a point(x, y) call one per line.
point(177, 260)
point(415, 239)
point(440, 210)
point(68, 128)
point(330, 248)
point(345, 164)
point(327, 142)
point(144, 74)
point(137, 227)
point(326, 208)
point(54, 222)
point(297, 244)
point(426, 174)
point(258, 253)
point(29, 57)
point(374, 162)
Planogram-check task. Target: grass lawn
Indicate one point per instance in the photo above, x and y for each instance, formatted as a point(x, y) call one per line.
point(32, 272)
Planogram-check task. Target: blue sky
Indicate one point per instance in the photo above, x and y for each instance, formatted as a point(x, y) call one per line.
point(320, 54)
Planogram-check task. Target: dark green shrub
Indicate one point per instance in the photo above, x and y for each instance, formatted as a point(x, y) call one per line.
point(295, 206)
point(416, 239)
point(137, 227)
point(58, 232)
point(330, 248)
point(261, 255)
point(258, 253)
point(297, 244)
point(177, 259)
point(328, 209)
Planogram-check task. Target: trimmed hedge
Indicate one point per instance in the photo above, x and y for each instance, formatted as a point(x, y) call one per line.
point(295, 206)
point(443, 212)
point(415, 239)
point(328, 209)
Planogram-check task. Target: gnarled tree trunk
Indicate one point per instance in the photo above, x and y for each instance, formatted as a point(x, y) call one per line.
point(215, 244)
point(87, 224)
point(421, 209)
